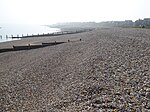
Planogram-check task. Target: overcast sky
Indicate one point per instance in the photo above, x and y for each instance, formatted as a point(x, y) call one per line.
point(54, 11)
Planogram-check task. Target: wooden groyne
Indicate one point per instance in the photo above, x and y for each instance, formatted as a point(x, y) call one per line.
point(52, 43)
point(50, 34)
point(33, 46)
point(29, 46)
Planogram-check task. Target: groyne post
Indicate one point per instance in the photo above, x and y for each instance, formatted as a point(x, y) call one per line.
point(13, 47)
point(6, 36)
point(1, 36)
point(29, 46)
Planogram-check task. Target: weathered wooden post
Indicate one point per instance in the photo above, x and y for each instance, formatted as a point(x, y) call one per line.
point(12, 36)
point(17, 35)
point(29, 46)
point(13, 47)
point(22, 35)
point(6, 36)
point(1, 36)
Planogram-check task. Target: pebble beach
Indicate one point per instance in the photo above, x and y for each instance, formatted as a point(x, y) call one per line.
point(103, 70)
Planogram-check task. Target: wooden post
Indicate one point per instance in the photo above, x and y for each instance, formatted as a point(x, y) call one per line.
point(17, 35)
point(11, 35)
point(29, 46)
point(13, 47)
point(22, 35)
point(1, 36)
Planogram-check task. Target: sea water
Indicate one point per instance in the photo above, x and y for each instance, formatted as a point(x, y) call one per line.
point(7, 31)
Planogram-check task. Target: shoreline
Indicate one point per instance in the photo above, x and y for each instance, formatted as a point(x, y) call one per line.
point(56, 33)
point(35, 39)
point(63, 32)
point(17, 30)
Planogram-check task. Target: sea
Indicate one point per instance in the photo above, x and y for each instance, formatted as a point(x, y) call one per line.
point(7, 31)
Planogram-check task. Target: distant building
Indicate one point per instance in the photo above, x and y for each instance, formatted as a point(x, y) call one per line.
point(146, 19)
point(127, 23)
point(144, 22)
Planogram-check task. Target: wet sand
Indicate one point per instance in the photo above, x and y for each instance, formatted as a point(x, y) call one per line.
point(109, 70)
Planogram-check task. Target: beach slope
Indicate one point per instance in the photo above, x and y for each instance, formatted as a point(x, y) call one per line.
point(108, 70)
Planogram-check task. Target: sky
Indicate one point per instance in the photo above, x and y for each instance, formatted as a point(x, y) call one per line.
point(46, 12)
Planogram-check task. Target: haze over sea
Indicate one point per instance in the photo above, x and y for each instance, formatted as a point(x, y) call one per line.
point(12, 29)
